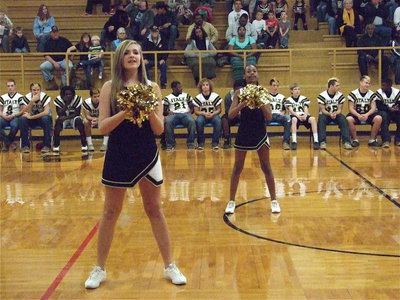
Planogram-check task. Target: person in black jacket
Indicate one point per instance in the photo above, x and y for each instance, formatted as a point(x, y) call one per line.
point(155, 42)
point(142, 19)
point(349, 24)
point(376, 13)
point(19, 43)
point(167, 23)
point(119, 19)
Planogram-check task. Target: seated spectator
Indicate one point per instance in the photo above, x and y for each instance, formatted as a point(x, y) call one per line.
point(182, 10)
point(207, 107)
point(284, 28)
point(178, 109)
point(212, 32)
point(142, 19)
point(375, 13)
point(349, 23)
point(154, 42)
point(365, 57)
point(331, 15)
point(272, 30)
point(321, 11)
point(6, 31)
point(226, 122)
point(199, 41)
point(236, 13)
point(261, 28)
point(298, 105)
point(242, 42)
point(299, 10)
point(89, 6)
point(232, 31)
point(280, 7)
point(36, 113)
point(121, 36)
point(42, 27)
point(167, 23)
point(119, 19)
point(82, 46)
point(56, 43)
point(395, 57)
point(10, 112)
point(249, 5)
point(205, 12)
point(362, 108)
point(388, 104)
point(19, 43)
point(265, 6)
point(68, 106)
point(91, 113)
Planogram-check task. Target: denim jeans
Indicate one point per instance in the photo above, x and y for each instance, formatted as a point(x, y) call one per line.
point(162, 69)
point(88, 66)
point(14, 124)
point(186, 120)
point(286, 122)
point(340, 120)
point(47, 67)
point(284, 41)
point(321, 11)
point(201, 122)
point(41, 41)
point(388, 116)
point(331, 24)
point(20, 50)
point(45, 122)
point(170, 34)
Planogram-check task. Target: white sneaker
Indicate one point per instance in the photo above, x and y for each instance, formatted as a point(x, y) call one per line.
point(103, 148)
point(275, 208)
point(96, 277)
point(230, 208)
point(56, 149)
point(172, 273)
point(84, 148)
point(91, 147)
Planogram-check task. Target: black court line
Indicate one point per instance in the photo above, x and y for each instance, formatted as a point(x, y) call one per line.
point(230, 224)
point(365, 179)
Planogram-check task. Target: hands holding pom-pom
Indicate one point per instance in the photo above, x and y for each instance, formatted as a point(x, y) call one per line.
point(255, 96)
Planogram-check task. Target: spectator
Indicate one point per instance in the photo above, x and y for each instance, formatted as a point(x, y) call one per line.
point(321, 11)
point(6, 27)
point(284, 28)
point(277, 102)
point(36, 113)
point(331, 15)
point(121, 36)
point(68, 106)
point(182, 10)
point(154, 42)
point(330, 110)
point(265, 6)
point(375, 13)
point(142, 19)
point(19, 42)
point(388, 104)
point(299, 10)
point(298, 106)
point(365, 57)
point(395, 57)
point(207, 107)
point(56, 43)
point(119, 19)
point(280, 7)
point(212, 32)
point(209, 3)
point(261, 28)
point(89, 7)
point(10, 112)
point(233, 17)
point(178, 107)
point(199, 41)
point(82, 46)
point(205, 12)
point(349, 23)
point(272, 30)
point(362, 108)
point(167, 23)
point(232, 31)
point(226, 122)
point(242, 42)
point(42, 26)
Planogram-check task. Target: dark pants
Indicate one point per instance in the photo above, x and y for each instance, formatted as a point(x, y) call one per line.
point(88, 66)
point(388, 116)
point(300, 16)
point(89, 5)
point(170, 34)
point(14, 124)
point(58, 127)
point(272, 40)
point(45, 122)
point(286, 122)
point(162, 69)
point(350, 36)
point(396, 64)
point(363, 65)
point(340, 120)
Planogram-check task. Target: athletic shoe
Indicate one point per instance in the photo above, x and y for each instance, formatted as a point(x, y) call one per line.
point(316, 146)
point(226, 145)
point(275, 208)
point(386, 145)
point(322, 146)
point(200, 147)
point(100, 75)
point(170, 148)
point(286, 146)
point(294, 146)
point(215, 146)
point(103, 148)
point(26, 149)
point(347, 146)
point(45, 149)
point(91, 147)
point(84, 148)
point(172, 273)
point(230, 208)
point(355, 143)
point(96, 277)
point(56, 149)
point(374, 143)
point(4, 149)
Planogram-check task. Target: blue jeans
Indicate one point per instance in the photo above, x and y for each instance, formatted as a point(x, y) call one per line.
point(41, 41)
point(201, 122)
point(88, 66)
point(186, 120)
point(46, 122)
point(162, 68)
point(284, 41)
point(331, 24)
point(14, 124)
point(286, 122)
point(47, 67)
point(340, 120)
point(20, 50)
point(170, 34)
point(321, 11)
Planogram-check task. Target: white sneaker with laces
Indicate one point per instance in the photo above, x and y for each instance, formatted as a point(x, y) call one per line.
point(96, 277)
point(230, 208)
point(172, 273)
point(56, 149)
point(275, 208)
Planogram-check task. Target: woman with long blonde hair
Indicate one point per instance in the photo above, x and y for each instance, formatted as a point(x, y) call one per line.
point(132, 157)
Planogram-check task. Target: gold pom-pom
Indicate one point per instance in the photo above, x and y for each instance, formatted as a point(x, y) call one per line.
point(139, 100)
point(255, 96)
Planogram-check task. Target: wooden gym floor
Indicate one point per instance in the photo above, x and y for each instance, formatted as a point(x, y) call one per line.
point(338, 236)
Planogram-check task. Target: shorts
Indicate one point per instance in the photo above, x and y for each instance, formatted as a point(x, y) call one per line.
point(305, 123)
point(369, 119)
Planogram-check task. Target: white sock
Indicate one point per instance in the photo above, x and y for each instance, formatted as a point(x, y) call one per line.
point(315, 135)
point(105, 140)
point(294, 137)
point(89, 140)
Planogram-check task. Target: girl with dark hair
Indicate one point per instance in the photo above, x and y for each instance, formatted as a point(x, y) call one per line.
point(42, 26)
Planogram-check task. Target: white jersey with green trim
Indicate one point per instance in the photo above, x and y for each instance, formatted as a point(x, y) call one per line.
point(11, 104)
